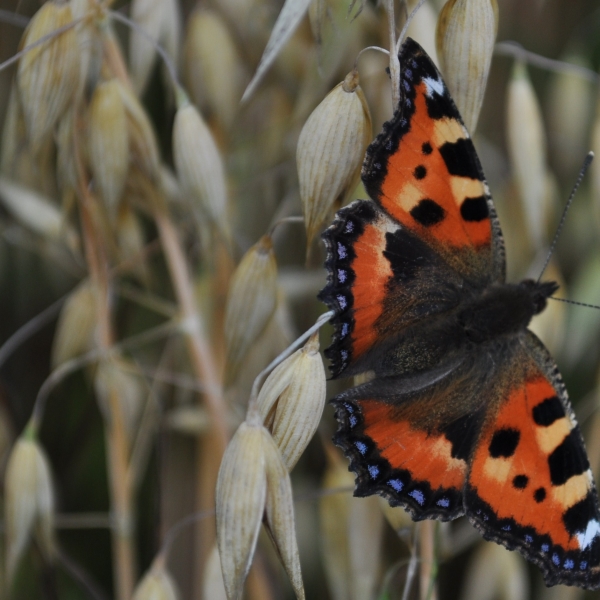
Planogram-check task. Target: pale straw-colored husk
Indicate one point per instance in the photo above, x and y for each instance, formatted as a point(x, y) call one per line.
point(209, 52)
point(77, 322)
point(66, 160)
point(330, 152)
point(251, 300)
point(527, 151)
point(570, 113)
point(108, 143)
point(240, 502)
point(142, 140)
point(33, 210)
point(466, 34)
point(495, 573)
point(156, 584)
point(292, 399)
point(351, 530)
point(200, 167)
point(49, 74)
point(28, 502)
point(213, 587)
point(118, 387)
point(131, 242)
point(280, 513)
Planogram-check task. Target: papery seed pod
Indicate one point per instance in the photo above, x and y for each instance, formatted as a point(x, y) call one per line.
point(213, 587)
point(66, 160)
point(280, 513)
point(527, 150)
point(142, 140)
point(118, 387)
point(330, 152)
point(200, 167)
point(496, 573)
point(76, 324)
point(209, 52)
point(240, 502)
point(108, 143)
point(156, 584)
point(466, 34)
point(422, 28)
point(170, 35)
point(29, 501)
point(292, 399)
point(149, 15)
point(89, 44)
point(570, 113)
point(48, 74)
point(34, 211)
point(131, 242)
point(251, 300)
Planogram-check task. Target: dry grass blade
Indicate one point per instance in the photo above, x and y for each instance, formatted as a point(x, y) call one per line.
point(287, 21)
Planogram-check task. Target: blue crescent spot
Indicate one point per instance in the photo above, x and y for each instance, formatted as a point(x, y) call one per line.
point(443, 502)
point(362, 448)
point(545, 547)
point(583, 565)
point(396, 484)
point(342, 301)
point(528, 539)
point(373, 471)
point(342, 252)
point(341, 275)
point(353, 421)
point(418, 496)
point(555, 559)
point(569, 564)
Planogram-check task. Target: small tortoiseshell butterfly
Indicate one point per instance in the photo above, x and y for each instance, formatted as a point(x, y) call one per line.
point(467, 412)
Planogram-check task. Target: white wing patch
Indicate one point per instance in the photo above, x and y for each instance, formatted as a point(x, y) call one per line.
point(433, 85)
point(586, 537)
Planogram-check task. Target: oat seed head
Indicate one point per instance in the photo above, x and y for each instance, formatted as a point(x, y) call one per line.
point(156, 584)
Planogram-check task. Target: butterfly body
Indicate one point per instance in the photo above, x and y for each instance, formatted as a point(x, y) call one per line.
point(465, 411)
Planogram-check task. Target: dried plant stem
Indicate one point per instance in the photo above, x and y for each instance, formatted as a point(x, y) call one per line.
point(394, 61)
point(116, 439)
point(427, 547)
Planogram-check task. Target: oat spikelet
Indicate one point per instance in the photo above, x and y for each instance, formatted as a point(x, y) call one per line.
point(330, 152)
point(108, 143)
point(253, 480)
point(200, 167)
point(49, 74)
point(466, 34)
point(527, 151)
point(209, 52)
point(292, 400)
point(251, 300)
point(29, 501)
point(156, 584)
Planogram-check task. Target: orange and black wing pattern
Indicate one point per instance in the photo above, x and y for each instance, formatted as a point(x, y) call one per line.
point(529, 485)
point(423, 170)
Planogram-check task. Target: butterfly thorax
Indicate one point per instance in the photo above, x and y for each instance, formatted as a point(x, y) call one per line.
point(504, 309)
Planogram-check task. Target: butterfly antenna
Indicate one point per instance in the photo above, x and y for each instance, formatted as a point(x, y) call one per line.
point(586, 163)
point(574, 302)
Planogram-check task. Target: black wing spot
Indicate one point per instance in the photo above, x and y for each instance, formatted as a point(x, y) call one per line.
point(579, 515)
point(428, 212)
point(420, 172)
point(426, 148)
point(568, 459)
point(548, 411)
point(459, 158)
point(461, 434)
point(504, 443)
point(474, 209)
point(539, 495)
point(520, 482)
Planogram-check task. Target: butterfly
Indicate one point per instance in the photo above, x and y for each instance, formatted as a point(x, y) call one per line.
point(465, 412)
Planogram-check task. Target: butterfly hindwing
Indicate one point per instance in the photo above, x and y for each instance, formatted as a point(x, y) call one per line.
point(529, 485)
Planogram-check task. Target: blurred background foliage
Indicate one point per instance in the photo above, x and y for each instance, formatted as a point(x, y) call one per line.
point(258, 143)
